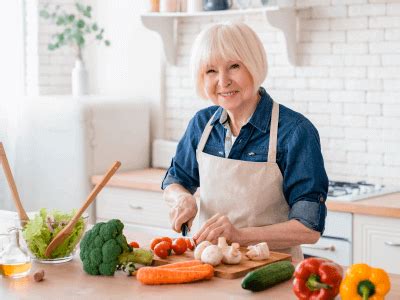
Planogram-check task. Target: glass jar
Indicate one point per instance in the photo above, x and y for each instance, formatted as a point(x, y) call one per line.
point(154, 6)
point(168, 5)
point(14, 261)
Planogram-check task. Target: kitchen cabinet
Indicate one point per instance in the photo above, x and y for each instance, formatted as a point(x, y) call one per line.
point(377, 242)
point(139, 210)
point(336, 242)
point(337, 250)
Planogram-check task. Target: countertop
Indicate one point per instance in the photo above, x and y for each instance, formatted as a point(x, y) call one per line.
point(68, 281)
point(150, 180)
point(146, 179)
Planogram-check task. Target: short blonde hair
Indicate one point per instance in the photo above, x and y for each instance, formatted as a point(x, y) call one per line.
point(228, 41)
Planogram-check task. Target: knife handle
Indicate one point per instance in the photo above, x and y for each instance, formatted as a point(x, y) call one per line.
point(184, 229)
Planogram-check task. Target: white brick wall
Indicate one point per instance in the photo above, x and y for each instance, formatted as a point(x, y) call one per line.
point(47, 72)
point(347, 82)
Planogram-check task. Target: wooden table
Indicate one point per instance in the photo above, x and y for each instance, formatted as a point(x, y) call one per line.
point(68, 281)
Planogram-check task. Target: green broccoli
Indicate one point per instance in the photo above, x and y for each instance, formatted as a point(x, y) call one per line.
point(104, 248)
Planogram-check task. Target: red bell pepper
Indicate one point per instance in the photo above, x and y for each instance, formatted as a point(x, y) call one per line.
point(317, 279)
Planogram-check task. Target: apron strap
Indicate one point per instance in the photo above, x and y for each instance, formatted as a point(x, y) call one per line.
point(273, 135)
point(206, 133)
point(273, 132)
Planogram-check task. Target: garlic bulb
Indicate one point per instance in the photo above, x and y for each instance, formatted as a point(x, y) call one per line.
point(231, 254)
point(258, 252)
point(212, 255)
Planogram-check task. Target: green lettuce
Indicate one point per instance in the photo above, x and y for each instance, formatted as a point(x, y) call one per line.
point(40, 230)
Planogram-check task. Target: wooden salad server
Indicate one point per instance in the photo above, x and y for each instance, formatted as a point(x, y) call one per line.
point(66, 231)
point(11, 183)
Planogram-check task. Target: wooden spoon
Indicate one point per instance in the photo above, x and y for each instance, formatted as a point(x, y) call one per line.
point(66, 231)
point(11, 183)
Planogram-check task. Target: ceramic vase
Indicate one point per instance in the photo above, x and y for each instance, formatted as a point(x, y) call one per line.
point(79, 79)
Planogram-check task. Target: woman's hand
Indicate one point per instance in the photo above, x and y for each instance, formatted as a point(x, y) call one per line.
point(218, 225)
point(184, 211)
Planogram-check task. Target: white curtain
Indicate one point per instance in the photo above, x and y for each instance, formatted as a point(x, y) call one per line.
point(11, 83)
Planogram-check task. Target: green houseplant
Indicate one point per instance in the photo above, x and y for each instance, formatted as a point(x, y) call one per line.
point(76, 30)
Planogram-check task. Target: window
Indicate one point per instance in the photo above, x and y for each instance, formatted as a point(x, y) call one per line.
point(12, 83)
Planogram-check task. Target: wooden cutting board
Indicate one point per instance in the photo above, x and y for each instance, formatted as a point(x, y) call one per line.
point(227, 271)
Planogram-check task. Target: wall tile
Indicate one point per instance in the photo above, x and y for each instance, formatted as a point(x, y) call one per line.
point(347, 81)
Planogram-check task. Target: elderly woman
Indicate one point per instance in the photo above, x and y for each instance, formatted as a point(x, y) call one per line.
point(258, 164)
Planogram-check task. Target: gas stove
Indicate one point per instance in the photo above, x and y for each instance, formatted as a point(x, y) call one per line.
point(353, 191)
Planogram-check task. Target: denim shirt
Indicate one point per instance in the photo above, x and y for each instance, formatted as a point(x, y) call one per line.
point(299, 157)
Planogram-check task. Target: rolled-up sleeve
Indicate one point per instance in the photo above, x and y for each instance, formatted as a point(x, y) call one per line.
point(305, 182)
point(184, 169)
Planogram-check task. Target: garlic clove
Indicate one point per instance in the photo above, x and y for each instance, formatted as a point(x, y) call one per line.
point(258, 252)
point(232, 254)
point(252, 252)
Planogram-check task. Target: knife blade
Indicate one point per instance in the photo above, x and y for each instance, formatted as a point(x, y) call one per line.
point(185, 230)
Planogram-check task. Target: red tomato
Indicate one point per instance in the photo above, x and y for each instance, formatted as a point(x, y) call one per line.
point(154, 242)
point(134, 245)
point(162, 249)
point(189, 244)
point(167, 239)
point(179, 246)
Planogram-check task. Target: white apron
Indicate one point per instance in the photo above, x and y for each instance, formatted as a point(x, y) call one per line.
point(248, 193)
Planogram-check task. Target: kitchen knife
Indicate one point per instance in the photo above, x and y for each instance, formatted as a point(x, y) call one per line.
point(185, 230)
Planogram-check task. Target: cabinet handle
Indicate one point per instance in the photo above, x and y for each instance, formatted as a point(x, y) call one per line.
point(392, 244)
point(323, 248)
point(135, 207)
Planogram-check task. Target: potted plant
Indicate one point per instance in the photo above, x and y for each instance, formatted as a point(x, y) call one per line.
point(77, 30)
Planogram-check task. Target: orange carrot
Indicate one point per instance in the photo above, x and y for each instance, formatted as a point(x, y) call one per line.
point(157, 275)
point(183, 264)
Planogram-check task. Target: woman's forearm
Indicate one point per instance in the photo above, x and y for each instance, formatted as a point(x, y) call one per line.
point(278, 236)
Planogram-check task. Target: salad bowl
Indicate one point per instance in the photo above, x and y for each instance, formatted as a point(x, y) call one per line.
point(43, 226)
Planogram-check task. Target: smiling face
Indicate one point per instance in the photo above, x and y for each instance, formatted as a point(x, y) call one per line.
point(230, 85)
point(220, 46)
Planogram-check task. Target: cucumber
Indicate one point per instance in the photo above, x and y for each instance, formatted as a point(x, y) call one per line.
point(265, 277)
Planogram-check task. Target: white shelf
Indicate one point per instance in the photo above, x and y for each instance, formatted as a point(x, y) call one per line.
point(212, 13)
point(166, 24)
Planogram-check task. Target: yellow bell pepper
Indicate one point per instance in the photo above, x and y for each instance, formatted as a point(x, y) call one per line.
point(363, 282)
